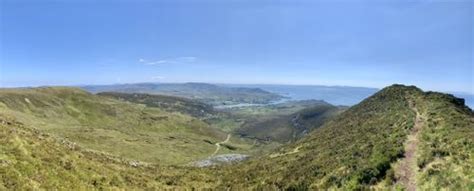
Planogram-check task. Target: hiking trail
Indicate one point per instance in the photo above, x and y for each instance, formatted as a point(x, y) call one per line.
point(407, 168)
point(218, 145)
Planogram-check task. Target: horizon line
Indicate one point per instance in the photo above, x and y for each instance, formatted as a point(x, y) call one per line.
point(219, 83)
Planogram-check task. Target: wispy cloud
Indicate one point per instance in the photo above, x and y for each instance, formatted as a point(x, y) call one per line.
point(157, 77)
point(178, 60)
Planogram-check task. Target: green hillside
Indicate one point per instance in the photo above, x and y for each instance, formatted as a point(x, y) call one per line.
point(362, 147)
point(124, 129)
point(32, 160)
point(399, 138)
point(446, 157)
point(167, 103)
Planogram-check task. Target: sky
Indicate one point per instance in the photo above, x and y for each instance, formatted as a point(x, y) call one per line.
point(353, 43)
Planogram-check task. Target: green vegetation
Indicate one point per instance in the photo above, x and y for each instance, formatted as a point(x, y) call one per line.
point(284, 122)
point(447, 144)
point(256, 121)
point(355, 150)
point(124, 129)
point(217, 119)
point(167, 103)
point(352, 151)
point(32, 160)
point(358, 149)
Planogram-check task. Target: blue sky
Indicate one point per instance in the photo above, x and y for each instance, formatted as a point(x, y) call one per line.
point(357, 43)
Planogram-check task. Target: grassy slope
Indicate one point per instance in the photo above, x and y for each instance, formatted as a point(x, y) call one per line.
point(31, 160)
point(446, 157)
point(357, 149)
point(127, 130)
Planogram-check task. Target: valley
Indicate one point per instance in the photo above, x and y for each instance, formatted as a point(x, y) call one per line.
point(149, 128)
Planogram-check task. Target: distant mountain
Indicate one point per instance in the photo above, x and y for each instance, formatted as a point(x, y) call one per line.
point(336, 95)
point(209, 93)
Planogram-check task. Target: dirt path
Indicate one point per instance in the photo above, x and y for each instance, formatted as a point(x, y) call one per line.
point(218, 145)
point(407, 168)
point(295, 150)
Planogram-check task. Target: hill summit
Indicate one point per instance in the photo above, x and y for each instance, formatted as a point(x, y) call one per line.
point(401, 137)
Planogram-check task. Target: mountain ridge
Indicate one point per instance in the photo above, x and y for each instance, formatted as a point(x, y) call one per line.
point(357, 149)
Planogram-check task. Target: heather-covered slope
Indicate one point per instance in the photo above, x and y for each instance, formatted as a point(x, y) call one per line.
point(361, 148)
point(446, 151)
